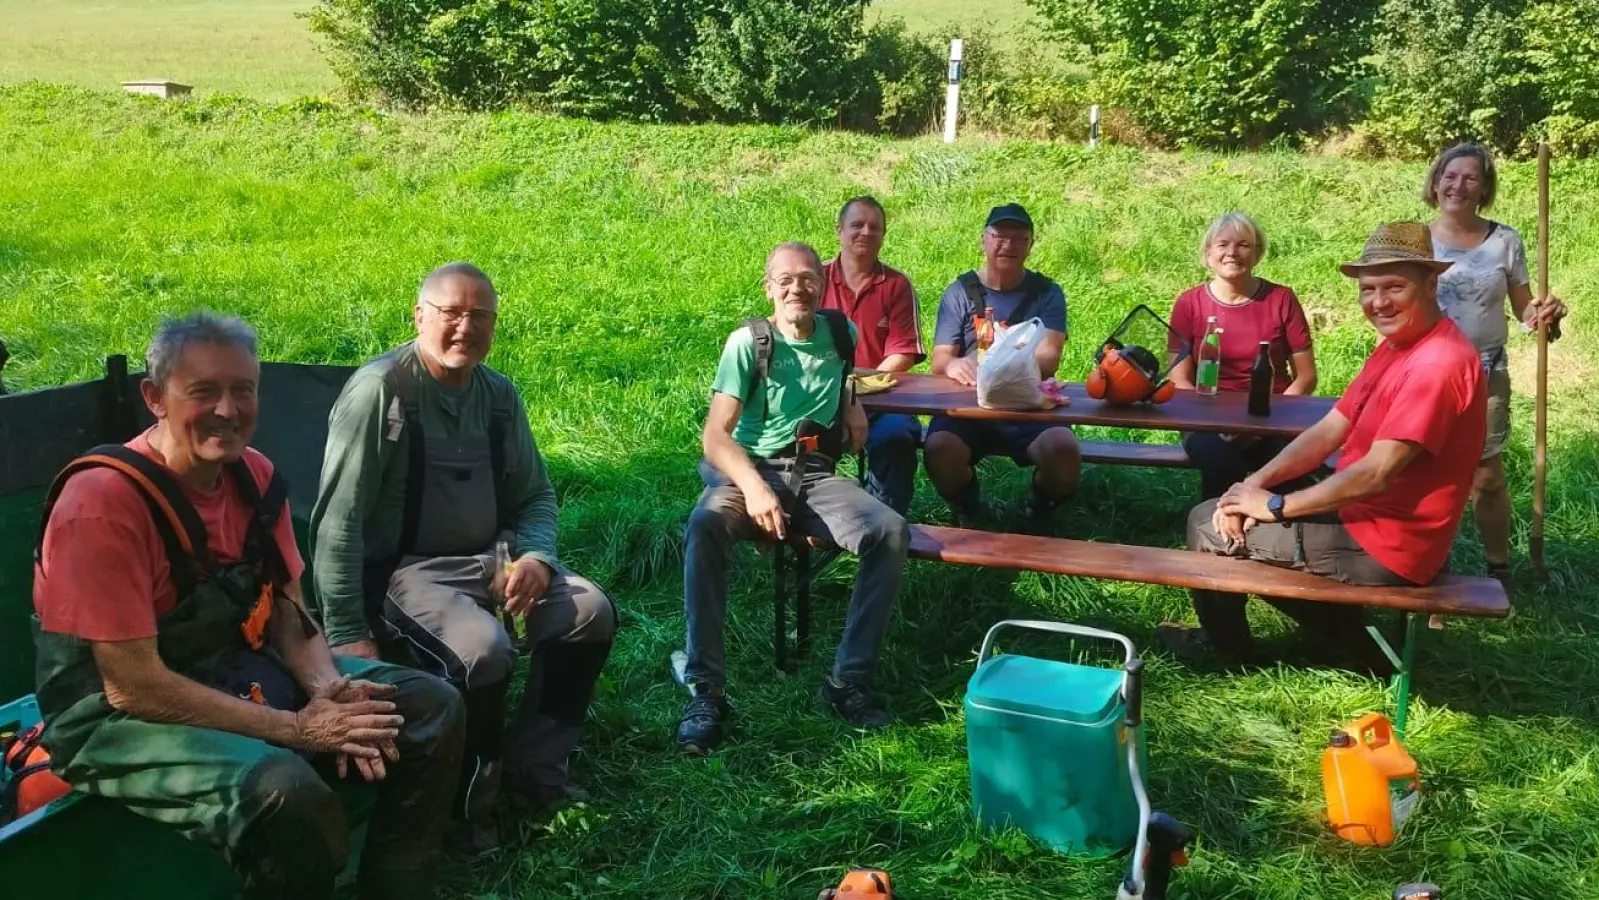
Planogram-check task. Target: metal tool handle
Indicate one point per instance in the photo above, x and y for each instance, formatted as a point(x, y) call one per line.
point(1058, 628)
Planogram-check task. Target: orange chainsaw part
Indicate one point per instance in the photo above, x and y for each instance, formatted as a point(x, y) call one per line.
point(861, 883)
point(1119, 380)
point(29, 763)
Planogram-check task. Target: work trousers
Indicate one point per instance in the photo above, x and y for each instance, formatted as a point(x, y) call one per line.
point(835, 510)
point(1319, 545)
point(272, 811)
point(439, 611)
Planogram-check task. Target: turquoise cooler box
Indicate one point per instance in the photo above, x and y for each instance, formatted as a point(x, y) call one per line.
point(1049, 745)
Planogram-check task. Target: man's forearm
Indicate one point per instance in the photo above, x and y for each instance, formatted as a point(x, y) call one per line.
point(1354, 483)
point(1307, 451)
point(730, 459)
point(897, 362)
point(537, 524)
point(306, 655)
point(167, 697)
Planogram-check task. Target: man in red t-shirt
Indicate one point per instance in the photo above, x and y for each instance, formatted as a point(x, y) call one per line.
point(178, 672)
point(882, 304)
point(1409, 431)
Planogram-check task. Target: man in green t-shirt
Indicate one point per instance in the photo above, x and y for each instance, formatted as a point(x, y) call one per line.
point(430, 464)
point(750, 451)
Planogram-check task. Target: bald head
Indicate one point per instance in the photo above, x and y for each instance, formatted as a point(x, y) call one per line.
point(797, 247)
point(449, 278)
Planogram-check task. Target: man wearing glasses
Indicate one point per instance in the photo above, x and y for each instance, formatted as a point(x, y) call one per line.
point(1015, 294)
point(430, 466)
point(758, 472)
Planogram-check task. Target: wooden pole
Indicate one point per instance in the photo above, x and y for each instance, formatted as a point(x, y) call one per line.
point(1541, 402)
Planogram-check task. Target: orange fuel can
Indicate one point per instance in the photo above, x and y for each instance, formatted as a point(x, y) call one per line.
point(1371, 783)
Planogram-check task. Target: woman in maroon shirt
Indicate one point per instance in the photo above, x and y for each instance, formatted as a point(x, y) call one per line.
point(1249, 310)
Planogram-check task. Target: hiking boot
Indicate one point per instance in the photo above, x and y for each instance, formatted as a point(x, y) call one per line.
point(476, 834)
point(704, 723)
point(855, 705)
point(546, 797)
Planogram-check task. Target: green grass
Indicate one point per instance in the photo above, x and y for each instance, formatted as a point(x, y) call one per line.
point(625, 255)
point(258, 48)
point(935, 15)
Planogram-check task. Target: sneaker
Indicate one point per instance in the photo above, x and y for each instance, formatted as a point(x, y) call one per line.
point(855, 705)
point(704, 723)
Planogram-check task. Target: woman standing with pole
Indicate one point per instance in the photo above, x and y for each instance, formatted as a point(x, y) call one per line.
point(1490, 266)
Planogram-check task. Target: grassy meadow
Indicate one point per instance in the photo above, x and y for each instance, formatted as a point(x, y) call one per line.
point(625, 255)
point(259, 48)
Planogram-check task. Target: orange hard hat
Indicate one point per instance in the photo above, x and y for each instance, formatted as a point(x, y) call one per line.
point(1126, 375)
point(28, 771)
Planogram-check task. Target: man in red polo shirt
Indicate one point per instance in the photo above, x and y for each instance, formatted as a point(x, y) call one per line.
point(1409, 431)
point(882, 304)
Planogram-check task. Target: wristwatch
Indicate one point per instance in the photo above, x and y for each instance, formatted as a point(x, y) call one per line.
point(1274, 505)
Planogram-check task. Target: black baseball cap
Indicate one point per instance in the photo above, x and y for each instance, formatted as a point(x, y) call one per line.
point(1010, 212)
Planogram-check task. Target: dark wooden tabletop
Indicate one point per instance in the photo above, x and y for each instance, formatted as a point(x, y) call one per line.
point(1226, 412)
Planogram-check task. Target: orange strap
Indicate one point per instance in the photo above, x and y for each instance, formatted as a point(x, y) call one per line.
point(254, 628)
point(149, 487)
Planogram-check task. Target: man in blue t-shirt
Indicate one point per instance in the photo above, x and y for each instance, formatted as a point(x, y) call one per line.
point(955, 445)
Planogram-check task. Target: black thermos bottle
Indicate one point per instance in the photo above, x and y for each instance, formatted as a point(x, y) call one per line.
point(1260, 379)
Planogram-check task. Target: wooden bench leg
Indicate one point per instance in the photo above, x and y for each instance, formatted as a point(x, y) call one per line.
point(1403, 662)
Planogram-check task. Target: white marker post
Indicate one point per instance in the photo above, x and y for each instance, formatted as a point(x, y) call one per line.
point(952, 99)
point(1093, 125)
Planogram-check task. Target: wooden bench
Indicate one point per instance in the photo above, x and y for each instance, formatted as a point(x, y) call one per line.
point(1450, 595)
point(1162, 456)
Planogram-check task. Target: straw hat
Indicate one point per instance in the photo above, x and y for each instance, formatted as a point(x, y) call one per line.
point(1397, 242)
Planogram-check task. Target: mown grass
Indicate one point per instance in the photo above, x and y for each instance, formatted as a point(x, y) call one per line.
point(260, 48)
point(625, 255)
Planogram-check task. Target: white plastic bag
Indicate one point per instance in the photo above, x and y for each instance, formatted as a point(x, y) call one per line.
point(1008, 376)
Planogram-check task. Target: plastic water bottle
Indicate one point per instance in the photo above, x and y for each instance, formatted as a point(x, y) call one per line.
point(1210, 358)
point(503, 566)
point(1260, 379)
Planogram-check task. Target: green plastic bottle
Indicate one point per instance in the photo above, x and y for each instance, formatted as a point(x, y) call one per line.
point(1210, 359)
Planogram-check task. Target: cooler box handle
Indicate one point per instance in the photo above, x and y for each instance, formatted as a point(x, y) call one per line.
point(1058, 628)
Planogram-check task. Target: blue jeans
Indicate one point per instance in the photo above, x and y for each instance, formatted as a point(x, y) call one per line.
point(891, 443)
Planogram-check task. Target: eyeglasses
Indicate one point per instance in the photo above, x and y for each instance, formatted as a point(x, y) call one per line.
point(784, 282)
point(453, 316)
point(1014, 240)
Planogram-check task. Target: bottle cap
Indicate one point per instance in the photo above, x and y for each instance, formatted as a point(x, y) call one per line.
point(1341, 739)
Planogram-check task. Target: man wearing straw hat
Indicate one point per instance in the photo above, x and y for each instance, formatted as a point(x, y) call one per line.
point(1409, 431)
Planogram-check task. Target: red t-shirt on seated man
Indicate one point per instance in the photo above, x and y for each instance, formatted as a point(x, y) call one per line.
point(1429, 393)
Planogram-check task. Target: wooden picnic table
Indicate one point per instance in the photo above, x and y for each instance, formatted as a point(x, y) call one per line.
point(1226, 412)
